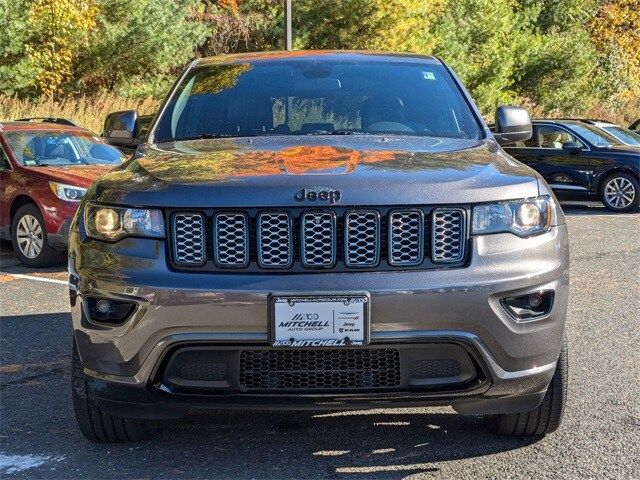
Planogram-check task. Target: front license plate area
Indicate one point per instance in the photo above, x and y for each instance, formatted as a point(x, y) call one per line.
point(340, 320)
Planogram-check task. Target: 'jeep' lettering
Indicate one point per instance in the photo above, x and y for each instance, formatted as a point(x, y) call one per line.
point(331, 196)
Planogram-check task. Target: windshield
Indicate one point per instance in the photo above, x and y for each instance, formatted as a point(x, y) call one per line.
point(595, 136)
point(58, 148)
point(328, 97)
point(625, 135)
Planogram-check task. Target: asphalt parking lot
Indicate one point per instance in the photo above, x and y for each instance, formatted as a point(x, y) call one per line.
point(600, 436)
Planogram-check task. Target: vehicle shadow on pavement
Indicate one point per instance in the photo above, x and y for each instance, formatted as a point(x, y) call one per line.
point(38, 419)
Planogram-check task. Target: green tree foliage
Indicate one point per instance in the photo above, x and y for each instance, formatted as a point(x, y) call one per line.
point(69, 46)
point(555, 56)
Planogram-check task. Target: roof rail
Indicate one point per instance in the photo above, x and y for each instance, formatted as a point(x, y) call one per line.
point(59, 121)
point(585, 120)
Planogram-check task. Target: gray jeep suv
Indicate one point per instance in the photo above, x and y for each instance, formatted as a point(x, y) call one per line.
point(319, 230)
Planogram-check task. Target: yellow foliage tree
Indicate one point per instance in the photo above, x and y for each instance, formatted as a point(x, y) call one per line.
point(59, 28)
point(615, 30)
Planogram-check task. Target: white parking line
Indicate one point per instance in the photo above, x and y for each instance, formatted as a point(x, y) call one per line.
point(39, 279)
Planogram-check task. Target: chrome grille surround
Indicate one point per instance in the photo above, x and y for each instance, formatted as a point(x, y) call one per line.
point(406, 237)
point(362, 238)
point(448, 235)
point(275, 239)
point(318, 239)
point(231, 239)
point(188, 239)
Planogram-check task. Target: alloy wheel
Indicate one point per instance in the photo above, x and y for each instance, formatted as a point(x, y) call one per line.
point(30, 236)
point(619, 192)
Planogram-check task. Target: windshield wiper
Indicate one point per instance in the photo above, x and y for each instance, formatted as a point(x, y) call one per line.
point(338, 132)
point(207, 136)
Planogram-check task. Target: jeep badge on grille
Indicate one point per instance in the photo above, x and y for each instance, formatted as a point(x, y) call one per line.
point(331, 196)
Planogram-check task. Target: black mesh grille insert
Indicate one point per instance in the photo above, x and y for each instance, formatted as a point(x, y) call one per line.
point(204, 372)
point(336, 369)
point(436, 368)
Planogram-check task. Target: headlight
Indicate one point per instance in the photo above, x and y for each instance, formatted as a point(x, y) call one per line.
point(67, 192)
point(114, 223)
point(521, 217)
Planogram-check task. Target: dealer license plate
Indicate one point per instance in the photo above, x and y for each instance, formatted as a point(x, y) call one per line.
point(319, 320)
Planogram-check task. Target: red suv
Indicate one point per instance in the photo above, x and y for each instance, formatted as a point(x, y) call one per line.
point(45, 169)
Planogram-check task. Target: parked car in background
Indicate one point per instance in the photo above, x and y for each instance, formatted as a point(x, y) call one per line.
point(624, 135)
point(46, 167)
point(581, 159)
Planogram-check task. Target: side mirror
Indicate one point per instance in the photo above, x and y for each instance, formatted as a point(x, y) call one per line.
point(572, 147)
point(121, 129)
point(513, 124)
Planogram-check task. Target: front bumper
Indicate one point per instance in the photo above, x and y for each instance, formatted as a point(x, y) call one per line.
point(451, 306)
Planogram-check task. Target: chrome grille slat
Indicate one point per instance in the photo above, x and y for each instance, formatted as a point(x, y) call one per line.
point(231, 240)
point(275, 240)
point(188, 239)
point(362, 238)
point(318, 239)
point(448, 235)
point(406, 237)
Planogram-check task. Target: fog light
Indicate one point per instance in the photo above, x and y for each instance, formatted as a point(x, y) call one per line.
point(535, 300)
point(102, 310)
point(103, 306)
point(531, 306)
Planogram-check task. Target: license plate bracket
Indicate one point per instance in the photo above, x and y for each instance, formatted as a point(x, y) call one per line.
point(319, 320)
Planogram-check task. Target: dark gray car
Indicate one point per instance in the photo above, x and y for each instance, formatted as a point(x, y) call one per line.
point(330, 230)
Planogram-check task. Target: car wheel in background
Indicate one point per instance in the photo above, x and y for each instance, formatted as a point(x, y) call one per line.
point(29, 238)
point(547, 417)
point(619, 192)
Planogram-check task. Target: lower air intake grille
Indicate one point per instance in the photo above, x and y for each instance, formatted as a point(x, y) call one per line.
point(338, 369)
point(436, 368)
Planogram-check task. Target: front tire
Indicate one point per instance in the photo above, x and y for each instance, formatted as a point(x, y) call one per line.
point(96, 425)
point(547, 417)
point(29, 238)
point(619, 192)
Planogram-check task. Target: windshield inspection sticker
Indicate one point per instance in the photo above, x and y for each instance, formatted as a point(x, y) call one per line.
point(428, 75)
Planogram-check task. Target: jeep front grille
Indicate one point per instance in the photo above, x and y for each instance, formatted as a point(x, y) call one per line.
point(362, 238)
point(318, 230)
point(188, 239)
point(406, 237)
point(337, 239)
point(231, 240)
point(275, 240)
point(448, 235)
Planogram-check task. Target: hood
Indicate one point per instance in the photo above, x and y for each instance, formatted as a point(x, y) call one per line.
point(76, 175)
point(271, 171)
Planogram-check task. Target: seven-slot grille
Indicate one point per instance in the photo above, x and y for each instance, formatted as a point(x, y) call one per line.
point(319, 239)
